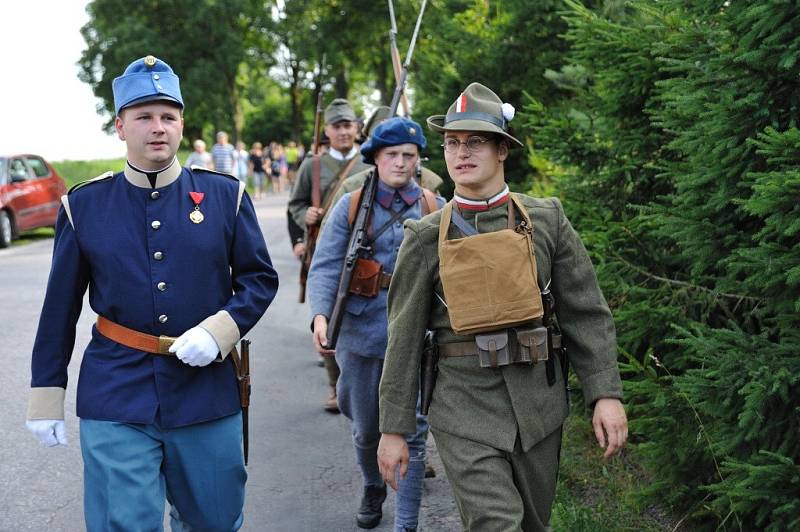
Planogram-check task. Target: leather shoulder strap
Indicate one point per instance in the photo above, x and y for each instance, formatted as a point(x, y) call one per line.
point(428, 202)
point(352, 211)
point(340, 177)
point(316, 173)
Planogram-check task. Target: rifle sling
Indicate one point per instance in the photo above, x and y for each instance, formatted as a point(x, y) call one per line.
point(316, 174)
point(397, 215)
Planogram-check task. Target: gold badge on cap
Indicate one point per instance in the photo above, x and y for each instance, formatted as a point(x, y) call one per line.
point(150, 61)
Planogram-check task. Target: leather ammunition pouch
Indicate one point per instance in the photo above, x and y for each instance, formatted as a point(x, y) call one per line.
point(493, 349)
point(533, 346)
point(368, 278)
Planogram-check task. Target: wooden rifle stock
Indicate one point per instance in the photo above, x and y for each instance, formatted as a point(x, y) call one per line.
point(356, 247)
point(312, 232)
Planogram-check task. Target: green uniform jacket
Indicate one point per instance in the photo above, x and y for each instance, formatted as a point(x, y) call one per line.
point(301, 193)
point(494, 406)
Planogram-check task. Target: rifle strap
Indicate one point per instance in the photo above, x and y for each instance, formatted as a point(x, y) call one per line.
point(340, 177)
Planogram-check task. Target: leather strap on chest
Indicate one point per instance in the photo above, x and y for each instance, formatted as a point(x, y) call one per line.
point(316, 171)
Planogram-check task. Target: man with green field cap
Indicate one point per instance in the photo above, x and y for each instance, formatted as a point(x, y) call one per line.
point(482, 274)
point(317, 180)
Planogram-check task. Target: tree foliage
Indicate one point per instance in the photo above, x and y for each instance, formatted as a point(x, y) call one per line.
point(681, 146)
point(204, 41)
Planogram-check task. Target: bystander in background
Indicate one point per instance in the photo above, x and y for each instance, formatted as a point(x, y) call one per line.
point(242, 158)
point(223, 154)
point(256, 163)
point(199, 157)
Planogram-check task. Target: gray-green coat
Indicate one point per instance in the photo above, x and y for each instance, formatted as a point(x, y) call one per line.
point(493, 406)
point(301, 193)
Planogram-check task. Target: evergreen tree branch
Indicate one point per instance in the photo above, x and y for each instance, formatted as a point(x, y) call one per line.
point(737, 297)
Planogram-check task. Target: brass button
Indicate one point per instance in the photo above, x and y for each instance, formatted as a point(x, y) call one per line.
point(155, 224)
point(162, 286)
point(158, 255)
point(155, 194)
point(163, 318)
point(155, 76)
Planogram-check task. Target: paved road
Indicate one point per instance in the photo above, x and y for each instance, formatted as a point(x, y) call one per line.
point(302, 474)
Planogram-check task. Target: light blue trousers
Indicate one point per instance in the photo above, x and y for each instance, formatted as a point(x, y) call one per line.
point(357, 392)
point(130, 468)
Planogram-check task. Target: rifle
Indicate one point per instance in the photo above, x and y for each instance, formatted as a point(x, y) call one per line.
point(396, 54)
point(358, 245)
point(312, 232)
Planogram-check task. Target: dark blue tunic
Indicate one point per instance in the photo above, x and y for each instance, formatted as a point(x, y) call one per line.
point(123, 242)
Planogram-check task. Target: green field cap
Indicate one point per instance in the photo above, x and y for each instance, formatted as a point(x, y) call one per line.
point(339, 110)
point(379, 115)
point(476, 109)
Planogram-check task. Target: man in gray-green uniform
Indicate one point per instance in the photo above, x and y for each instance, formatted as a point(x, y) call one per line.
point(496, 415)
point(428, 178)
point(317, 179)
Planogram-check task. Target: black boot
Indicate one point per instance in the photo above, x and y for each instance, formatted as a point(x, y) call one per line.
point(370, 512)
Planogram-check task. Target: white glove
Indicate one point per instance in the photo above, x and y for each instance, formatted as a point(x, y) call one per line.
point(49, 432)
point(195, 347)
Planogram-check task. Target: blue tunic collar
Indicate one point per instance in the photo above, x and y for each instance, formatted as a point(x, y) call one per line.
point(409, 194)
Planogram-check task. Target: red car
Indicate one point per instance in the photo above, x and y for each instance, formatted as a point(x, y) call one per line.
point(30, 195)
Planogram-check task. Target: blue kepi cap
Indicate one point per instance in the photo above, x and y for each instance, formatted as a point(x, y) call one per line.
point(392, 132)
point(145, 80)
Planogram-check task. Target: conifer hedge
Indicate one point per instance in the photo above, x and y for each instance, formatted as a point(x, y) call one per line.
point(681, 146)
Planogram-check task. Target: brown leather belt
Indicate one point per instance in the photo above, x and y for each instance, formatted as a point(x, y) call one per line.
point(386, 278)
point(458, 349)
point(134, 339)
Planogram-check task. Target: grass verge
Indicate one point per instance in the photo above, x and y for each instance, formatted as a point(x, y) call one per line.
point(77, 171)
point(594, 494)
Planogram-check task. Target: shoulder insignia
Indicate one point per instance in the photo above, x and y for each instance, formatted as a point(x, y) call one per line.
point(101, 177)
point(198, 168)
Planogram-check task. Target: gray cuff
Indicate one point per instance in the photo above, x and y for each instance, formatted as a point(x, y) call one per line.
point(224, 330)
point(46, 403)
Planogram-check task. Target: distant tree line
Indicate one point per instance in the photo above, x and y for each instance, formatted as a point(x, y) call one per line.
point(670, 130)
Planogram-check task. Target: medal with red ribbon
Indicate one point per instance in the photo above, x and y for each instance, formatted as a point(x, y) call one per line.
point(196, 216)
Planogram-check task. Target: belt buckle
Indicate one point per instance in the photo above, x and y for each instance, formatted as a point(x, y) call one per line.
point(164, 343)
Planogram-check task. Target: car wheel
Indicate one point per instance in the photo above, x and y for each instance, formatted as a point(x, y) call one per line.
point(5, 230)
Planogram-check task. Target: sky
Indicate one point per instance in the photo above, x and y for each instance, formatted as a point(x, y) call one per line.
point(44, 108)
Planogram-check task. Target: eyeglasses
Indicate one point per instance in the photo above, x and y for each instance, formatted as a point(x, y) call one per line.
point(473, 144)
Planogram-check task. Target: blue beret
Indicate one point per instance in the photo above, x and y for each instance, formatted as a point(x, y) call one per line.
point(391, 132)
point(146, 79)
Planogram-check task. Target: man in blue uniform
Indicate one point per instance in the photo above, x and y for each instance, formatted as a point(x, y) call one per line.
point(394, 150)
point(165, 252)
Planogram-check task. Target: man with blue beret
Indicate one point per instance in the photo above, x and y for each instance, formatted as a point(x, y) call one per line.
point(425, 177)
point(177, 271)
point(394, 149)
